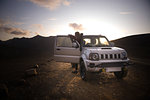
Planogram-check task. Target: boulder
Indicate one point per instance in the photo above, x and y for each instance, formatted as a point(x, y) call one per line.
point(36, 66)
point(31, 72)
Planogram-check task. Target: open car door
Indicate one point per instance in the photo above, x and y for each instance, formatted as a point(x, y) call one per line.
point(64, 50)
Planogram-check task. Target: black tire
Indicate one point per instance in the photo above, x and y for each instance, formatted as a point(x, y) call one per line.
point(121, 74)
point(83, 72)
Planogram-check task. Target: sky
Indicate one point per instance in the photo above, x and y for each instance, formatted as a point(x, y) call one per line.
point(112, 18)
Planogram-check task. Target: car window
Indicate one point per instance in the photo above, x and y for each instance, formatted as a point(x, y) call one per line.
point(64, 42)
point(95, 41)
point(86, 41)
point(103, 41)
point(90, 41)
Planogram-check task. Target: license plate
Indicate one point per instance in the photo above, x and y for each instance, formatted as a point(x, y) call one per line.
point(113, 69)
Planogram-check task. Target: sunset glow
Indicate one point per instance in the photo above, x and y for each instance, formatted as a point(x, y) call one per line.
point(112, 18)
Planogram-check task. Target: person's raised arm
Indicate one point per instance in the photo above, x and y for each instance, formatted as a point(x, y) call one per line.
point(73, 38)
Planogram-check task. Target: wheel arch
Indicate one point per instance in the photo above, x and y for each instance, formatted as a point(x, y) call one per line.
point(83, 58)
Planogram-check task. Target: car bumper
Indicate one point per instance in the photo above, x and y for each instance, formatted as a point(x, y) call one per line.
point(105, 65)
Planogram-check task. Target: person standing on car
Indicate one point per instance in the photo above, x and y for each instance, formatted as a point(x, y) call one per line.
point(77, 37)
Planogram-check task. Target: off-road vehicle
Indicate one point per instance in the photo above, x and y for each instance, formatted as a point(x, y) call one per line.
point(95, 54)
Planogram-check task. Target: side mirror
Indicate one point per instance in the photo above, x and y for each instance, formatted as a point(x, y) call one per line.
point(112, 44)
point(75, 45)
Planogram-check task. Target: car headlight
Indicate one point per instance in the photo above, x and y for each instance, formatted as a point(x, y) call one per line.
point(94, 56)
point(124, 55)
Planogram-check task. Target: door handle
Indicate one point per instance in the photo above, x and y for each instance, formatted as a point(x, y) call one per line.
point(57, 49)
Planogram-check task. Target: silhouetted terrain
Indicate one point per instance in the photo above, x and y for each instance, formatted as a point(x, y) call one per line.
point(137, 46)
point(26, 47)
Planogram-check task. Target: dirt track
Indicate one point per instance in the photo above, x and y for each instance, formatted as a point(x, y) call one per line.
point(104, 86)
point(56, 82)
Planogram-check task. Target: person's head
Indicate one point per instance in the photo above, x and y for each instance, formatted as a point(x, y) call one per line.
point(77, 34)
point(93, 41)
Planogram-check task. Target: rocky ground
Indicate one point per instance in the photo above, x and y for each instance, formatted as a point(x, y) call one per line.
point(55, 81)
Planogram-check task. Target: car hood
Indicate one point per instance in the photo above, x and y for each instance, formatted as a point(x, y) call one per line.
point(103, 50)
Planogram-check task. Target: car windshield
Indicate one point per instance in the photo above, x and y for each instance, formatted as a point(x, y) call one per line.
point(95, 41)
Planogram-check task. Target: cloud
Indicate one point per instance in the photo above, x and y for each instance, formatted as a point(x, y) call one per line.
point(2, 22)
point(125, 13)
point(38, 26)
point(52, 19)
point(13, 30)
point(77, 27)
point(66, 3)
point(9, 22)
point(51, 4)
point(7, 26)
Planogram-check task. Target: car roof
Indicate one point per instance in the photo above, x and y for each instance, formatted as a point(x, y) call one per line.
point(83, 35)
point(92, 35)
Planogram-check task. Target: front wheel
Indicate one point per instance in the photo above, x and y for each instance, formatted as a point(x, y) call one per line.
point(121, 74)
point(83, 71)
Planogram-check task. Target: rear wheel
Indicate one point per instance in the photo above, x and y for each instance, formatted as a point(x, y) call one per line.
point(121, 74)
point(83, 71)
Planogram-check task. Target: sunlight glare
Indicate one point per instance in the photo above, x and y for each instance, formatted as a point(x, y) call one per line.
point(98, 27)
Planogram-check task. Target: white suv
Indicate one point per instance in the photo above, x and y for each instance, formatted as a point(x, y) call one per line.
point(94, 54)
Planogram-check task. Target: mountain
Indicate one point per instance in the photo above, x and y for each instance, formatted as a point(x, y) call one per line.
point(23, 47)
point(137, 46)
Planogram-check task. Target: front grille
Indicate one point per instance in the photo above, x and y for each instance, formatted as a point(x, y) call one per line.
point(102, 56)
point(110, 56)
point(115, 56)
point(106, 56)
